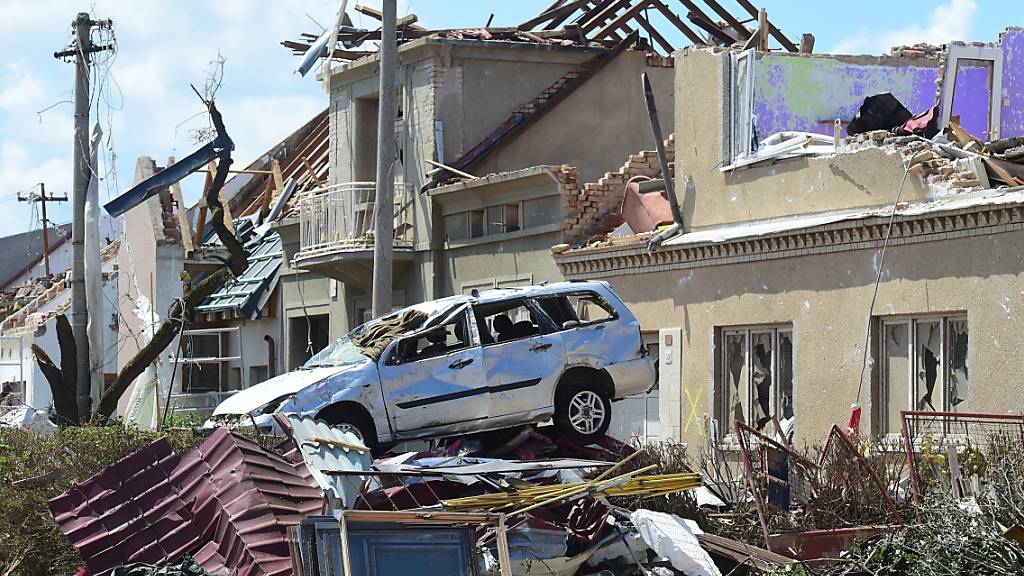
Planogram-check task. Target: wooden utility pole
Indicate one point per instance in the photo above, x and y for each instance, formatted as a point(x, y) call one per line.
point(42, 199)
point(384, 205)
point(81, 49)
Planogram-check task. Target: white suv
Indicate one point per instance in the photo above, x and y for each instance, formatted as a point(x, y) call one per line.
point(473, 363)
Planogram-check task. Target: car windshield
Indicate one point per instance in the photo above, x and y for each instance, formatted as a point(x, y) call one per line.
point(341, 352)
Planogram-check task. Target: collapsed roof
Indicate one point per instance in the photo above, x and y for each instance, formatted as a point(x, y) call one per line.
point(578, 23)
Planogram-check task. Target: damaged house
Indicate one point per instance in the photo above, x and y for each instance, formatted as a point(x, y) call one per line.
point(498, 131)
point(816, 269)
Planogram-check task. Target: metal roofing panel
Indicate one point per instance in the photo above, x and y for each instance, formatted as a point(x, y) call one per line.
point(245, 293)
point(325, 448)
point(229, 501)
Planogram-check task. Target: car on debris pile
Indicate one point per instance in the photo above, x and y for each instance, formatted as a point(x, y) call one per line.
point(470, 363)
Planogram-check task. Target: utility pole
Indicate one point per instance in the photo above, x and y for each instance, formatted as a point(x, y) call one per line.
point(81, 49)
point(42, 198)
point(384, 205)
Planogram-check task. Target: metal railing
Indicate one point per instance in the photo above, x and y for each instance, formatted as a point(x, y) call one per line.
point(340, 217)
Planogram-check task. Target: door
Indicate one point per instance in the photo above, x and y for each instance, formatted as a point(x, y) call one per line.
point(522, 356)
point(435, 378)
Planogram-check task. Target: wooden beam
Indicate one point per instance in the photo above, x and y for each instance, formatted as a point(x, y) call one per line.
point(729, 18)
point(268, 192)
point(653, 31)
point(771, 27)
point(710, 27)
point(621, 19)
point(377, 15)
point(555, 23)
point(208, 170)
point(679, 24)
point(609, 11)
point(201, 221)
point(807, 43)
point(562, 12)
point(762, 29)
point(182, 215)
point(312, 173)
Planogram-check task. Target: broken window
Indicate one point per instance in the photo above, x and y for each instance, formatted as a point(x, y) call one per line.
point(577, 307)
point(449, 337)
point(755, 384)
point(506, 321)
point(924, 367)
point(497, 219)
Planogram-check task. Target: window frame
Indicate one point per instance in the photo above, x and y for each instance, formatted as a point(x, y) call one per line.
point(394, 357)
point(222, 361)
point(544, 323)
point(885, 404)
point(613, 312)
point(722, 392)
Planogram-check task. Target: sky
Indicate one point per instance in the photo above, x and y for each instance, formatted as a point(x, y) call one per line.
point(145, 105)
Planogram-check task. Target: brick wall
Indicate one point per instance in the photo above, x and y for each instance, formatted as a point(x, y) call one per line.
point(595, 209)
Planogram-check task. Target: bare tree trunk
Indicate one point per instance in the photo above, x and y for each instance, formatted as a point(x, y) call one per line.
point(61, 379)
point(180, 310)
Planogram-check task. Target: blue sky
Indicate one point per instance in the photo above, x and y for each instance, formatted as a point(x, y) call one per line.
point(146, 106)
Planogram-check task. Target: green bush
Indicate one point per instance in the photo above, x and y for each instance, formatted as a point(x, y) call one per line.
point(30, 542)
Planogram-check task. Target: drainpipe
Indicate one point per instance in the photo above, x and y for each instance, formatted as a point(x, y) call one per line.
point(271, 356)
point(659, 145)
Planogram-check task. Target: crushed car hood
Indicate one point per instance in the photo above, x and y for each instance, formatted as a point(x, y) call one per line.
point(254, 397)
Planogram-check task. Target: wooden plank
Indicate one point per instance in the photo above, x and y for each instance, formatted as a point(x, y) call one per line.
point(621, 19)
point(269, 191)
point(504, 560)
point(233, 171)
point(655, 35)
point(201, 221)
point(710, 27)
point(606, 14)
point(562, 12)
point(807, 43)
point(679, 24)
point(762, 29)
point(312, 173)
point(771, 27)
point(377, 15)
point(182, 215)
point(729, 18)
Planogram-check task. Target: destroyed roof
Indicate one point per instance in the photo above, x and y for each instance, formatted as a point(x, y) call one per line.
point(575, 23)
point(20, 253)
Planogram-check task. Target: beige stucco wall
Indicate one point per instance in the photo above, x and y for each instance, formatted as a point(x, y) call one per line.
point(770, 189)
point(596, 127)
point(826, 298)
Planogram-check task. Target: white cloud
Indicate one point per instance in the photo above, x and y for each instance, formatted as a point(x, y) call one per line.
point(952, 20)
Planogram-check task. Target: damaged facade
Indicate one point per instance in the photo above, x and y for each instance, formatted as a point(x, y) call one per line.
point(767, 302)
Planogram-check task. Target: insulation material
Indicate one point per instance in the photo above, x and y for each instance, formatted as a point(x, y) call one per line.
point(143, 401)
point(29, 419)
point(673, 538)
point(93, 272)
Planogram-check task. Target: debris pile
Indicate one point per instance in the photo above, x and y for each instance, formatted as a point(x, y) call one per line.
point(528, 501)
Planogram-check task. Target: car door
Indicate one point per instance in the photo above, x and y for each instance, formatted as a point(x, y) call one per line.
point(522, 356)
point(583, 317)
point(429, 381)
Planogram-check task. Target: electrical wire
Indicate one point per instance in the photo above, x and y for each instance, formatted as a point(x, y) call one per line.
point(878, 275)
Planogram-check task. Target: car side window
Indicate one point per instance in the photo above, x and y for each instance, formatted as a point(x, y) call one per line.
point(508, 320)
point(577, 309)
point(443, 339)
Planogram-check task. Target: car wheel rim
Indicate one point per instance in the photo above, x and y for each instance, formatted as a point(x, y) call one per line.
point(586, 412)
point(351, 430)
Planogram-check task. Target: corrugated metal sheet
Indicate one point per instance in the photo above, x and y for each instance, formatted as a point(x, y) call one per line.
point(323, 449)
point(229, 502)
point(248, 292)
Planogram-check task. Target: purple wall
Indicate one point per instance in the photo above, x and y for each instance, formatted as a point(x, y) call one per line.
point(1011, 121)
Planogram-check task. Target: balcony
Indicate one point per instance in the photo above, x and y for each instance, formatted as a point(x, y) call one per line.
point(336, 231)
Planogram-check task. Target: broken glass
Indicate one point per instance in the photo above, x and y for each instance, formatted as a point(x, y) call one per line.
point(959, 377)
point(735, 401)
point(896, 367)
point(929, 349)
point(761, 365)
point(785, 371)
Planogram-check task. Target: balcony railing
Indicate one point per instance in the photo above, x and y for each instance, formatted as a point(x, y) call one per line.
point(340, 217)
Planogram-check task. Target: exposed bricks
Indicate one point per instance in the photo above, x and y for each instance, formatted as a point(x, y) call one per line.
point(656, 60)
point(596, 208)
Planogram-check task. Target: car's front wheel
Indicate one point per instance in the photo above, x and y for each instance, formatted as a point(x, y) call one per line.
point(582, 410)
point(353, 421)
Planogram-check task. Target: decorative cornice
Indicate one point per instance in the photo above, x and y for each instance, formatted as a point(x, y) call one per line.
point(866, 233)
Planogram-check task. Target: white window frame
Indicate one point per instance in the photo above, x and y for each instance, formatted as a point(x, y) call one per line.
point(741, 108)
point(219, 360)
point(723, 407)
point(886, 407)
point(992, 54)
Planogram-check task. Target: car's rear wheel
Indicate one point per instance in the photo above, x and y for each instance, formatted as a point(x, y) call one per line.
point(582, 409)
point(353, 421)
